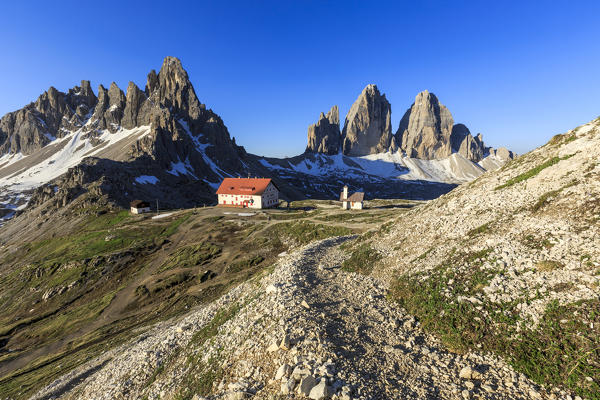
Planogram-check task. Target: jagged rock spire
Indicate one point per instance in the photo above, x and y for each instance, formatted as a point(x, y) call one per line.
point(324, 136)
point(425, 128)
point(368, 127)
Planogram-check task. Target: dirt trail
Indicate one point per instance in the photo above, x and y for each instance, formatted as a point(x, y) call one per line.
point(380, 349)
point(374, 349)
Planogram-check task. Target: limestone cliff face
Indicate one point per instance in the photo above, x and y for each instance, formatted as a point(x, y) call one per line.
point(324, 136)
point(467, 145)
point(368, 127)
point(425, 129)
point(52, 115)
point(168, 103)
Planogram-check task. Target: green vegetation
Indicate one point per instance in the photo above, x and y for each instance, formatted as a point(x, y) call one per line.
point(245, 264)
point(84, 245)
point(200, 379)
point(362, 259)
point(191, 256)
point(425, 254)
point(172, 228)
point(532, 172)
point(562, 139)
point(303, 232)
point(548, 265)
point(292, 215)
point(544, 199)
point(537, 243)
point(107, 220)
point(479, 230)
point(212, 328)
point(201, 376)
point(562, 350)
point(170, 281)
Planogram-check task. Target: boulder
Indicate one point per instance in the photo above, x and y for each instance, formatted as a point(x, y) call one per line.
point(321, 391)
point(306, 385)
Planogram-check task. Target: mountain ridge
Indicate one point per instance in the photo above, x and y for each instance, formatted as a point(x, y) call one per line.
point(165, 132)
point(426, 131)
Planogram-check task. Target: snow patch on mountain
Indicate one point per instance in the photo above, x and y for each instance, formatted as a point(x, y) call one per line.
point(147, 179)
point(384, 166)
point(201, 148)
point(182, 168)
point(76, 146)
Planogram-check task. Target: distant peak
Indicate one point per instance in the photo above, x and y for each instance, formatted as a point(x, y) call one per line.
point(170, 60)
point(371, 88)
point(172, 66)
point(86, 86)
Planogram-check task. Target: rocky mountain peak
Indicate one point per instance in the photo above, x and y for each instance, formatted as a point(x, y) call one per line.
point(427, 131)
point(175, 91)
point(324, 136)
point(333, 116)
point(115, 94)
point(425, 128)
point(136, 108)
point(152, 82)
point(367, 128)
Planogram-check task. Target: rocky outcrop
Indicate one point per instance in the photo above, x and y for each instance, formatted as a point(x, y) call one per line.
point(137, 108)
point(425, 129)
point(324, 136)
point(463, 143)
point(368, 127)
point(53, 115)
point(502, 153)
point(184, 140)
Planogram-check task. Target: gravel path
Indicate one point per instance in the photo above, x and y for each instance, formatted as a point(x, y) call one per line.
point(307, 329)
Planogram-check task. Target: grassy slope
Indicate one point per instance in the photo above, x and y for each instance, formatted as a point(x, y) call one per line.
point(115, 272)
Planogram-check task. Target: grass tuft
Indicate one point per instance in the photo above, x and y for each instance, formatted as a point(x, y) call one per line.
point(362, 259)
point(532, 172)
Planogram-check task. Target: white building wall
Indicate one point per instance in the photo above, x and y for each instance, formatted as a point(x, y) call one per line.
point(269, 198)
point(135, 210)
point(357, 205)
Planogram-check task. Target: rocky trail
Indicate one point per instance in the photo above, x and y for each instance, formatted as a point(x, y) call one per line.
point(307, 329)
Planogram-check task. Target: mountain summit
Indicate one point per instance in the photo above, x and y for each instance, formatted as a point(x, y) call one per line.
point(324, 136)
point(160, 142)
point(368, 126)
point(426, 131)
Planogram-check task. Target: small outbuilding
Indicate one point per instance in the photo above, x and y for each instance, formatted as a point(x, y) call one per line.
point(139, 207)
point(354, 202)
point(248, 193)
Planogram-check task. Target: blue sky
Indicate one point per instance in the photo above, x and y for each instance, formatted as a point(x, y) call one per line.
point(518, 72)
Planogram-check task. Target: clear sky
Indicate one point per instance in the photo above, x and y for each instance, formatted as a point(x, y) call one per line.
point(518, 72)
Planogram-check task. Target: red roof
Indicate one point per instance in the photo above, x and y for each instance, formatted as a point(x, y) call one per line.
point(249, 186)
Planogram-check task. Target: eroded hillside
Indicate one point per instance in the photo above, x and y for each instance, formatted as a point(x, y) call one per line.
point(82, 280)
point(510, 263)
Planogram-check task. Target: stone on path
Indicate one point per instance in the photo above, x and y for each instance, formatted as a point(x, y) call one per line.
point(306, 385)
point(469, 373)
point(320, 391)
